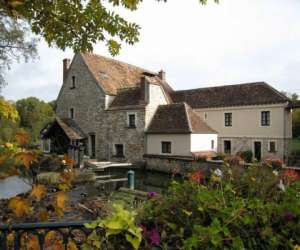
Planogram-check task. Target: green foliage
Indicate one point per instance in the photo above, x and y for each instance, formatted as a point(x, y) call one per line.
point(247, 155)
point(119, 230)
point(242, 209)
point(34, 115)
point(296, 123)
point(14, 42)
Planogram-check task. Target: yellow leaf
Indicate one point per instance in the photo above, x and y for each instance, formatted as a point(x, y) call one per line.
point(60, 200)
point(19, 206)
point(38, 192)
point(72, 246)
point(26, 158)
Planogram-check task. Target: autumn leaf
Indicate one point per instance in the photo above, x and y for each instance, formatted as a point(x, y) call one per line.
point(43, 215)
point(22, 137)
point(68, 161)
point(38, 192)
point(60, 200)
point(19, 206)
point(32, 243)
point(26, 158)
point(72, 246)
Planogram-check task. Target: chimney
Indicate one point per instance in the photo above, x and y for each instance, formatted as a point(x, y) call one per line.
point(162, 75)
point(66, 65)
point(144, 90)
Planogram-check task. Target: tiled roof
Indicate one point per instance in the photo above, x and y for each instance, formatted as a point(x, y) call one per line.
point(230, 95)
point(69, 126)
point(127, 97)
point(112, 75)
point(177, 118)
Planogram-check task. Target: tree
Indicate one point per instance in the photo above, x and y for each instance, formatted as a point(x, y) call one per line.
point(65, 24)
point(34, 115)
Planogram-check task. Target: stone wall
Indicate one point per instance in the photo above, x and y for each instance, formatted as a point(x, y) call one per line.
point(87, 99)
point(115, 131)
point(239, 144)
point(175, 164)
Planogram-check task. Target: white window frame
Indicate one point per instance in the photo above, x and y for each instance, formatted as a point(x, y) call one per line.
point(269, 146)
point(135, 121)
point(49, 145)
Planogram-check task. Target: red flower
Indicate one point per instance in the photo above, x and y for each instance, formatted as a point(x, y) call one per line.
point(197, 176)
point(290, 174)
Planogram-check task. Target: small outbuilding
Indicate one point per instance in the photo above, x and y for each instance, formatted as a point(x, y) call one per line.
point(176, 130)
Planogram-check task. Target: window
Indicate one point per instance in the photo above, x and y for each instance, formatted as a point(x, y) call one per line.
point(228, 119)
point(212, 144)
point(73, 82)
point(119, 150)
point(46, 145)
point(131, 121)
point(272, 146)
point(265, 118)
point(227, 147)
point(166, 147)
point(72, 113)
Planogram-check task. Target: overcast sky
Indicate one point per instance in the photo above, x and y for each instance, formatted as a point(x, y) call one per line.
point(234, 42)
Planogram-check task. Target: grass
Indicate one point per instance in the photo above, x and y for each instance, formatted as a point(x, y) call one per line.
point(295, 144)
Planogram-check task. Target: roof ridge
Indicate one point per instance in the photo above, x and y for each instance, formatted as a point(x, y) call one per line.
point(221, 86)
point(121, 62)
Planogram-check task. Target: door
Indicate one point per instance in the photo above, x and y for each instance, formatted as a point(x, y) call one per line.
point(257, 150)
point(93, 146)
point(227, 147)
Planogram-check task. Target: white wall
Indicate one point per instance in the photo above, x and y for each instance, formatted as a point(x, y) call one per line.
point(180, 144)
point(246, 121)
point(156, 97)
point(202, 142)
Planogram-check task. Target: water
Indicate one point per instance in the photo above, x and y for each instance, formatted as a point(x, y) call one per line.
point(145, 180)
point(12, 186)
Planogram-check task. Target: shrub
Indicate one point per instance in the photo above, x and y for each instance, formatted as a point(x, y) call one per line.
point(233, 160)
point(246, 155)
point(274, 163)
point(248, 211)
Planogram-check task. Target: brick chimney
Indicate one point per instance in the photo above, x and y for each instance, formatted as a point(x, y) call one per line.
point(66, 65)
point(162, 75)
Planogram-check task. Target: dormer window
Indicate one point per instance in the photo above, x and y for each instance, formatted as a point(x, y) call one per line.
point(73, 86)
point(131, 120)
point(72, 113)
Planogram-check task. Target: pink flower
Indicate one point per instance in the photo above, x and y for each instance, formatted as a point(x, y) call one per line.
point(291, 175)
point(154, 237)
point(152, 194)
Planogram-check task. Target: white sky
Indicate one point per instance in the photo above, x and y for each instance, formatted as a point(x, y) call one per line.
point(236, 41)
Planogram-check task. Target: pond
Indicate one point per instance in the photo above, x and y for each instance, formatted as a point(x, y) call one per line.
point(145, 180)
